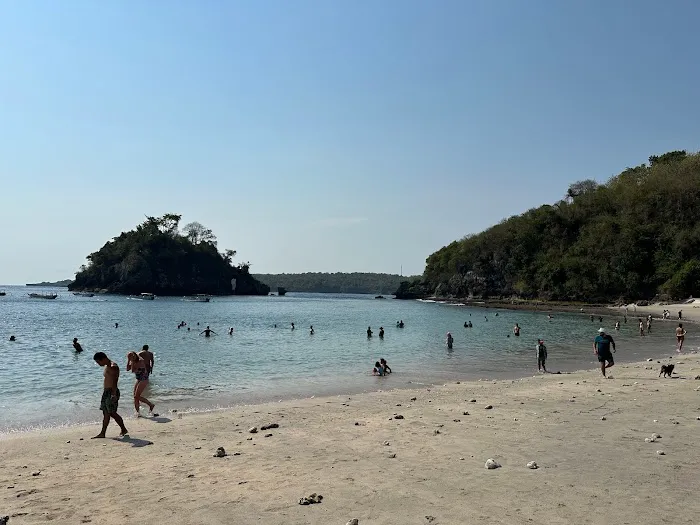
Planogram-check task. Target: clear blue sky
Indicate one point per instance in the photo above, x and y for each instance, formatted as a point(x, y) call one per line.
point(317, 135)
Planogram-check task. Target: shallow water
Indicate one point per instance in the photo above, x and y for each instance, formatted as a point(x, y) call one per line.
point(45, 383)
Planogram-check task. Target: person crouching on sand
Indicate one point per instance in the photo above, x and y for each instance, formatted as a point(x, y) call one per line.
point(140, 369)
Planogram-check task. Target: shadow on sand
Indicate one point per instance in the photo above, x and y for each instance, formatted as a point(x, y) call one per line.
point(134, 442)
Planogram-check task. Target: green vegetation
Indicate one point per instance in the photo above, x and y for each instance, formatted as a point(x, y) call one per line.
point(637, 236)
point(373, 283)
point(158, 258)
point(63, 283)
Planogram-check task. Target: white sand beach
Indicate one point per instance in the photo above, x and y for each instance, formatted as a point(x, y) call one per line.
point(587, 435)
point(691, 311)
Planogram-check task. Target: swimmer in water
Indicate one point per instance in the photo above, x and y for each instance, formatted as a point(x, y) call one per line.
point(516, 330)
point(401, 323)
point(466, 325)
point(116, 325)
point(450, 340)
point(230, 331)
point(292, 326)
point(12, 338)
point(311, 330)
point(208, 331)
point(369, 332)
point(385, 366)
point(76, 345)
point(617, 325)
point(381, 332)
point(378, 369)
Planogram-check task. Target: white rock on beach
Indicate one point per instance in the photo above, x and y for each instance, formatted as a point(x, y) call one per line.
point(353, 521)
point(253, 430)
point(661, 452)
point(532, 465)
point(492, 464)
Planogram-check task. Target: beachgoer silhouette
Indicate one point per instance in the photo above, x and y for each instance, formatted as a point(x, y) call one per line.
point(76, 345)
point(207, 332)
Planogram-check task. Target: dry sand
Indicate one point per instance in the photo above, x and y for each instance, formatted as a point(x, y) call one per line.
point(592, 470)
point(691, 312)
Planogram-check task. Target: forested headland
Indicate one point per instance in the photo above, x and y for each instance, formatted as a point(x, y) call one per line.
point(372, 283)
point(157, 257)
point(635, 237)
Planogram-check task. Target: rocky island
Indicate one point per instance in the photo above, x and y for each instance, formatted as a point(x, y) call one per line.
point(157, 257)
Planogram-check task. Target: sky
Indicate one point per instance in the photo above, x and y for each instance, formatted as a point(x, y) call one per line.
point(320, 135)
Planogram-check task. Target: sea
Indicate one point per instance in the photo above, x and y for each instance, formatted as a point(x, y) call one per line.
point(45, 383)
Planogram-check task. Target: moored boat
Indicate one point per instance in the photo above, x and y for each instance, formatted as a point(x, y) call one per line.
point(83, 294)
point(198, 298)
point(147, 296)
point(3, 294)
point(281, 291)
point(43, 295)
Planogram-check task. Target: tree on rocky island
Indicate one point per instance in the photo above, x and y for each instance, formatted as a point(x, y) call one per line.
point(156, 257)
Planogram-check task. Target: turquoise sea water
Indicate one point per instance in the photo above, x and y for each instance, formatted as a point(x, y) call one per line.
point(43, 382)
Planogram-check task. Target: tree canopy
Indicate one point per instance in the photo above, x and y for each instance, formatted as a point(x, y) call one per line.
point(373, 283)
point(636, 236)
point(157, 257)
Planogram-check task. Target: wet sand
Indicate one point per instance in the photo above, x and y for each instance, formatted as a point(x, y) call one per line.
point(586, 433)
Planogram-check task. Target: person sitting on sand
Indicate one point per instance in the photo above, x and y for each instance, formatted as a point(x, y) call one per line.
point(541, 355)
point(76, 345)
point(680, 337)
point(110, 395)
point(378, 369)
point(369, 332)
point(601, 347)
point(140, 369)
point(208, 331)
point(385, 366)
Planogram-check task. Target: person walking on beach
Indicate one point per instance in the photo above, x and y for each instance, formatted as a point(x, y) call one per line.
point(138, 366)
point(601, 348)
point(208, 331)
point(110, 395)
point(77, 346)
point(680, 337)
point(541, 355)
point(148, 357)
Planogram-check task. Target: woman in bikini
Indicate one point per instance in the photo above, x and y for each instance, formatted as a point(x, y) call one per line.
point(139, 367)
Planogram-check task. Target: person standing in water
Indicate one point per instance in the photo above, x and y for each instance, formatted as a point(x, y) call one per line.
point(516, 330)
point(110, 395)
point(369, 332)
point(450, 340)
point(617, 325)
point(641, 327)
point(311, 330)
point(138, 366)
point(148, 357)
point(292, 326)
point(541, 355)
point(208, 331)
point(77, 346)
point(680, 337)
point(381, 332)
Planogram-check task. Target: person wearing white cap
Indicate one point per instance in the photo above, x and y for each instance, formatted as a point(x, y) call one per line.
point(601, 348)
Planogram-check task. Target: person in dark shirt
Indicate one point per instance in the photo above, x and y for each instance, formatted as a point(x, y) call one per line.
point(76, 345)
point(601, 347)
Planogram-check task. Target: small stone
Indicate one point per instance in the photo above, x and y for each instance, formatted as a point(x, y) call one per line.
point(465, 413)
point(386, 443)
point(436, 432)
point(603, 418)
point(472, 400)
point(650, 360)
point(220, 452)
point(270, 426)
point(532, 465)
point(398, 404)
point(249, 439)
point(268, 435)
point(392, 456)
point(656, 436)
point(649, 440)
point(190, 475)
point(461, 459)
point(37, 473)
point(459, 382)
point(398, 416)
point(67, 441)
point(253, 430)
point(656, 421)
point(515, 419)
point(457, 420)
point(598, 390)
point(492, 464)
point(353, 521)
point(488, 407)
point(661, 452)
point(414, 398)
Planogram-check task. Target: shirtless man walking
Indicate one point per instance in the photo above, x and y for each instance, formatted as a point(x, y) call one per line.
point(110, 396)
point(147, 356)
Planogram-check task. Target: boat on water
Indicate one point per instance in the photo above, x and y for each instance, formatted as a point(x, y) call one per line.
point(3, 294)
point(380, 297)
point(146, 296)
point(42, 295)
point(198, 298)
point(83, 294)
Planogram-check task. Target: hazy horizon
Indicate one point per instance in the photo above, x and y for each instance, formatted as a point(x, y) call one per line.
point(324, 136)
